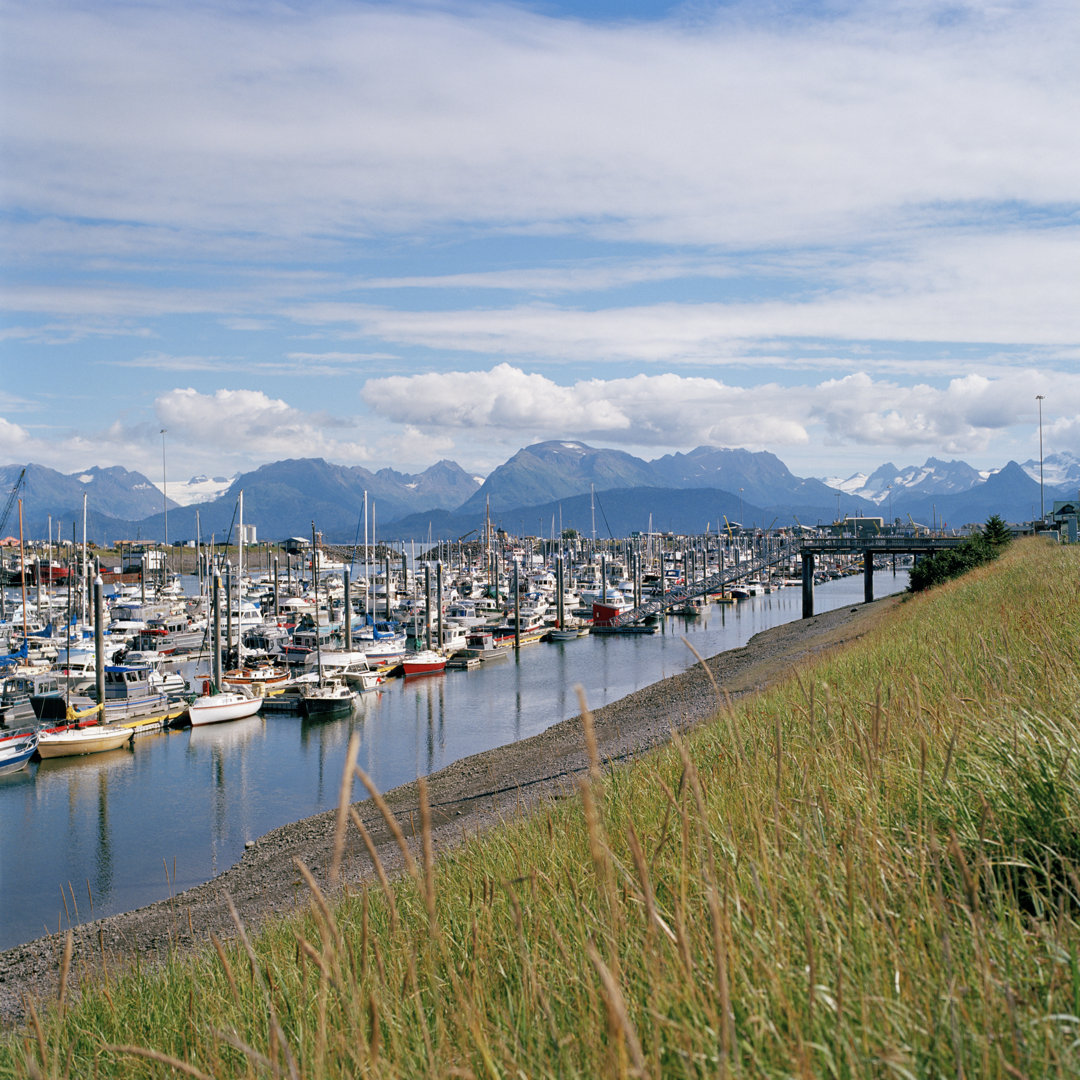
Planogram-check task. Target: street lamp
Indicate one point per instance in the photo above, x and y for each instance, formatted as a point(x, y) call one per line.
point(164, 493)
point(1042, 500)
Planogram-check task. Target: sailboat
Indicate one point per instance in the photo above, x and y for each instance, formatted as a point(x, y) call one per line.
point(249, 676)
point(218, 705)
point(324, 699)
point(215, 707)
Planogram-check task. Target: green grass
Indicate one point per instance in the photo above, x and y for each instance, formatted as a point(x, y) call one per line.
point(869, 870)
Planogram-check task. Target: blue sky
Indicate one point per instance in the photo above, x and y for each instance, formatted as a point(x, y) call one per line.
point(386, 234)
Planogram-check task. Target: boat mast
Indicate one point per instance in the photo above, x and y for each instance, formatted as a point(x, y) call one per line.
point(85, 591)
point(240, 589)
point(315, 585)
point(22, 579)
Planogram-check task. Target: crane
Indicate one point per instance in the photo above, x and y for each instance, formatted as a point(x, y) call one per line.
point(11, 501)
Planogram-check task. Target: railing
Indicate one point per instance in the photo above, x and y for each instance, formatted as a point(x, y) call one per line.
point(713, 583)
point(881, 543)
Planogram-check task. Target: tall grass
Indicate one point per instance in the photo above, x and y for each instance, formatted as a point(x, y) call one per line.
point(869, 870)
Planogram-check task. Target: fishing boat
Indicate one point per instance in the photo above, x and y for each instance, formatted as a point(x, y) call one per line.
point(424, 662)
point(17, 749)
point(225, 705)
point(20, 690)
point(352, 667)
point(72, 742)
point(269, 675)
point(327, 700)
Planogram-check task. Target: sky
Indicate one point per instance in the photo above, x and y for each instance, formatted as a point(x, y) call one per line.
point(385, 234)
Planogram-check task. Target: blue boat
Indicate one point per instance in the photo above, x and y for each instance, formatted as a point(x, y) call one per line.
point(16, 749)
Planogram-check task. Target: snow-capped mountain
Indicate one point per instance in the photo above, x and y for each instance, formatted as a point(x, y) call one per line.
point(1059, 470)
point(199, 489)
point(935, 477)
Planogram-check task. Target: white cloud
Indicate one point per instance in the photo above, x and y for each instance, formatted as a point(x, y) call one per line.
point(13, 439)
point(764, 195)
point(965, 417)
point(249, 425)
point(997, 289)
point(670, 410)
point(333, 120)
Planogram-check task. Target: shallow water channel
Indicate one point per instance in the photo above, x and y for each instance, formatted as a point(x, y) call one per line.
point(87, 837)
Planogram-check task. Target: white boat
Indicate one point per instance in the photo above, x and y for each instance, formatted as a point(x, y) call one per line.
point(72, 742)
point(352, 667)
point(17, 749)
point(226, 705)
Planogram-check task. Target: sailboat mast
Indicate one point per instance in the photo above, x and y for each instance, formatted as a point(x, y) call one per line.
point(315, 586)
point(85, 569)
point(240, 589)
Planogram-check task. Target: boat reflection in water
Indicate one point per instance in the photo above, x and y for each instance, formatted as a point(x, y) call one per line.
point(90, 839)
point(222, 782)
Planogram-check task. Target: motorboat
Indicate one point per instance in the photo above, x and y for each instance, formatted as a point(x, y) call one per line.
point(251, 675)
point(20, 690)
point(353, 667)
point(16, 750)
point(214, 708)
point(326, 700)
point(72, 742)
point(424, 662)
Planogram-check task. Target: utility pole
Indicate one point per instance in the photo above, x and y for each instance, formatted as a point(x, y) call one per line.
point(1042, 499)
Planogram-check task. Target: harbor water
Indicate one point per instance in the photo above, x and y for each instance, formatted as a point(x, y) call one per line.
point(88, 837)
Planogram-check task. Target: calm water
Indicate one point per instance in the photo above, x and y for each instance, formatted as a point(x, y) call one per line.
point(126, 828)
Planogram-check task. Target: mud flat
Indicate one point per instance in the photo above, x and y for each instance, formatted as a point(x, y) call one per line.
point(472, 794)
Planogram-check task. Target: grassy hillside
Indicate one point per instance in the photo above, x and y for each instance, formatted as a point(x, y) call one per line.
point(869, 870)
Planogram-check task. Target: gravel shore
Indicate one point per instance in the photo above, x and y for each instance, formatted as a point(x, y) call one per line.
point(469, 795)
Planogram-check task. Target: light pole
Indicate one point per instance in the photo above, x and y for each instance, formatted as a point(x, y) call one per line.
point(164, 492)
point(1042, 500)
point(892, 520)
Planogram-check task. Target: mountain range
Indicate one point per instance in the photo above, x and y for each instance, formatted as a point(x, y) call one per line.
point(548, 486)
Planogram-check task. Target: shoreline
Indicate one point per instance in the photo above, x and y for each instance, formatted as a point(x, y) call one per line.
point(467, 796)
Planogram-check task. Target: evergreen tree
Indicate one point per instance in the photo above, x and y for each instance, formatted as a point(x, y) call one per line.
point(996, 532)
point(952, 562)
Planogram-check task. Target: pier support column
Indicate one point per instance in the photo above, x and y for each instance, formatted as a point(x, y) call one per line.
point(868, 576)
point(517, 610)
point(427, 605)
point(807, 584)
point(438, 604)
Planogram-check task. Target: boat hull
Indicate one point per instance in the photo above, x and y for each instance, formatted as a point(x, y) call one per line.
point(217, 708)
point(423, 663)
point(81, 741)
point(16, 752)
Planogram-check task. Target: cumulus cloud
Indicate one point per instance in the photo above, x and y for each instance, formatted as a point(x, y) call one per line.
point(13, 438)
point(963, 417)
point(670, 410)
point(266, 428)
